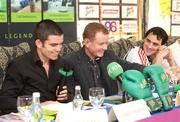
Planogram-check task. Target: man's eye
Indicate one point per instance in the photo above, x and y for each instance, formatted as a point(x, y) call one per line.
point(155, 44)
point(148, 41)
point(53, 45)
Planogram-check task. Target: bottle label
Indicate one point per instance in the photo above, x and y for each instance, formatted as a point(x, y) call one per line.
point(77, 104)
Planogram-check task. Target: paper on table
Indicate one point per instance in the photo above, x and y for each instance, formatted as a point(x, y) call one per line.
point(59, 106)
point(93, 115)
point(128, 112)
point(177, 98)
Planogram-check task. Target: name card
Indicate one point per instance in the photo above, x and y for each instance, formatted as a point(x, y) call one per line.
point(177, 103)
point(93, 115)
point(129, 112)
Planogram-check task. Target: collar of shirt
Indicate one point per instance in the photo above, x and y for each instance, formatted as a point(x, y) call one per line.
point(91, 61)
point(149, 58)
point(36, 58)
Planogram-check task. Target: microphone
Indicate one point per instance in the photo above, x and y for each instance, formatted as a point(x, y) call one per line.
point(65, 74)
point(114, 71)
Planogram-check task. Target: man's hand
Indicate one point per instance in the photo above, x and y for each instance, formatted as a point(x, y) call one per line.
point(164, 53)
point(62, 95)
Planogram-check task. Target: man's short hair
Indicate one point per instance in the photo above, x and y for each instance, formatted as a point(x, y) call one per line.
point(92, 28)
point(45, 28)
point(159, 32)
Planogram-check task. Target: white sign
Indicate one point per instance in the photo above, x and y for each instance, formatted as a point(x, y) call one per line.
point(175, 30)
point(130, 1)
point(129, 26)
point(109, 11)
point(129, 112)
point(175, 17)
point(93, 115)
point(89, 1)
point(88, 11)
point(110, 1)
point(176, 5)
point(129, 12)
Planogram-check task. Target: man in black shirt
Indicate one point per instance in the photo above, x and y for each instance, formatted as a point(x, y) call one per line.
point(90, 63)
point(36, 71)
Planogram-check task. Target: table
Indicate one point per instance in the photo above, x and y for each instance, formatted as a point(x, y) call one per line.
point(168, 116)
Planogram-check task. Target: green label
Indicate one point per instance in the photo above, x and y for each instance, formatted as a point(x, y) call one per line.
point(26, 17)
point(59, 15)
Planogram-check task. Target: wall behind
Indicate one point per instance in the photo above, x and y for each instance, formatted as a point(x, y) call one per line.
point(19, 17)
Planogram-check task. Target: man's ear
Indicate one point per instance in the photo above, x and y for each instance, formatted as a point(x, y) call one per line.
point(38, 43)
point(86, 42)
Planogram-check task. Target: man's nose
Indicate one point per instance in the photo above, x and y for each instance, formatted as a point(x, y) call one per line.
point(58, 48)
point(150, 45)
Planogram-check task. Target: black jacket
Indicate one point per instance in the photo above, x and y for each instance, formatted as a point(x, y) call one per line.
point(79, 62)
point(26, 75)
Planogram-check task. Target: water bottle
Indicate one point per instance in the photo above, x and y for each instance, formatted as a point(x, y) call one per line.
point(78, 99)
point(37, 113)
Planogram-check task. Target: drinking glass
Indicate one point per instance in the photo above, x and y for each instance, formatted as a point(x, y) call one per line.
point(24, 107)
point(96, 96)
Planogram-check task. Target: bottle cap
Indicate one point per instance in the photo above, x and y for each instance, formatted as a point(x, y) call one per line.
point(78, 87)
point(36, 94)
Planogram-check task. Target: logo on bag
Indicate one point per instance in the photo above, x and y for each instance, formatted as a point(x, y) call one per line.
point(163, 77)
point(143, 83)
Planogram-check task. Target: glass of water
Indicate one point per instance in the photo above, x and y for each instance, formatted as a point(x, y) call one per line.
point(96, 96)
point(24, 107)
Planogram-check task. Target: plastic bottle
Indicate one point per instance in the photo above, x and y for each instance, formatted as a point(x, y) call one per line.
point(37, 112)
point(78, 99)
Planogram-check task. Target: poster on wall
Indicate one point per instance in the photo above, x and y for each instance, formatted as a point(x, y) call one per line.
point(24, 15)
point(89, 11)
point(110, 1)
point(25, 10)
point(59, 10)
point(113, 14)
point(175, 30)
point(129, 26)
point(175, 17)
point(129, 1)
point(113, 27)
point(3, 11)
point(176, 5)
point(109, 11)
point(89, 1)
point(129, 12)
